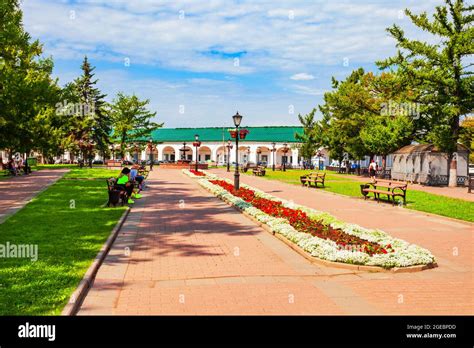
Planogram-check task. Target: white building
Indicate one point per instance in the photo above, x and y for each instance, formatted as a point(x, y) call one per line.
point(256, 147)
point(425, 164)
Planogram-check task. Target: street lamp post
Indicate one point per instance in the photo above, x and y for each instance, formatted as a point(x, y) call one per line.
point(112, 152)
point(229, 147)
point(196, 144)
point(273, 156)
point(150, 149)
point(237, 120)
point(285, 151)
point(319, 155)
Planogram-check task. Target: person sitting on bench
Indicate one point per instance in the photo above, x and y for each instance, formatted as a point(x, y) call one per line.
point(135, 177)
point(124, 183)
point(12, 168)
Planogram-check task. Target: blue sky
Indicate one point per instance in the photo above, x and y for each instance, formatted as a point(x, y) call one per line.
point(198, 61)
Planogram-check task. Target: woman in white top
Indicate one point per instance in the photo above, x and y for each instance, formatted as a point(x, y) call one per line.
point(372, 169)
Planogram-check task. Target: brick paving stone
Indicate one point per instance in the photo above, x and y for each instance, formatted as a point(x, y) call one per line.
point(190, 253)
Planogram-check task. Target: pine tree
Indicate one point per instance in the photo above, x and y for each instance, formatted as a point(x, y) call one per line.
point(441, 71)
point(91, 125)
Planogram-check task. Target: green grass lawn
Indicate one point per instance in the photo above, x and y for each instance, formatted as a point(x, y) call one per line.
point(417, 200)
point(92, 173)
point(69, 225)
point(55, 166)
point(63, 166)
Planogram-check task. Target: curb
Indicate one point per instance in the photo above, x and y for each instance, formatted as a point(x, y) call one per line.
point(316, 260)
point(77, 297)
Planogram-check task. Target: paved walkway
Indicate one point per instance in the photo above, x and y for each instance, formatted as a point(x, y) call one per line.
point(17, 191)
point(182, 251)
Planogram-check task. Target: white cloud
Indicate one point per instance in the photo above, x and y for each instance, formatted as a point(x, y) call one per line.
point(308, 90)
point(302, 77)
point(197, 41)
point(151, 32)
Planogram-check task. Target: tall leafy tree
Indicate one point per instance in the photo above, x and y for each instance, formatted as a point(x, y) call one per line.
point(441, 69)
point(467, 135)
point(26, 86)
point(383, 135)
point(311, 137)
point(131, 119)
point(330, 136)
point(345, 109)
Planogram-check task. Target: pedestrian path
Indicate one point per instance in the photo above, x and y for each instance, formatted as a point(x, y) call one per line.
point(17, 191)
point(183, 251)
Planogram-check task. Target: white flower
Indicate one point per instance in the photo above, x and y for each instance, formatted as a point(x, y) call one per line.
point(404, 254)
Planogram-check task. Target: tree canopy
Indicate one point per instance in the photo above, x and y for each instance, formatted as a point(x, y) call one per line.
point(132, 120)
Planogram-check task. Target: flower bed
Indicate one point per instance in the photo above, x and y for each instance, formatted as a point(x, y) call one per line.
point(196, 174)
point(319, 233)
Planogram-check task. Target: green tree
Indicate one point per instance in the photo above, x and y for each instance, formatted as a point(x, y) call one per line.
point(131, 119)
point(344, 112)
point(466, 136)
point(441, 70)
point(90, 125)
point(26, 86)
point(382, 135)
point(330, 137)
point(311, 137)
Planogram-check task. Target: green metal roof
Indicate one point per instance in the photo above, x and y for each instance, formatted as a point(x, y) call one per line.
point(256, 134)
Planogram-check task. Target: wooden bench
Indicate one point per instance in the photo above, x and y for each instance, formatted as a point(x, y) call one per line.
point(115, 194)
point(244, 168)
point(113, 163)
point(389, 188)
point(259, 171)
point(313, 178)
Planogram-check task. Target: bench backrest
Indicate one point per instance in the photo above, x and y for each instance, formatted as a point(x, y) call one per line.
point(316, 175)
point(391, 183)
point(111, 182)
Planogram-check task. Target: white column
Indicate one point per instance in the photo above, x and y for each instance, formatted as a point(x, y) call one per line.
point(294, 154)
point(177, 153)
point(214, 152)
point(160, 153)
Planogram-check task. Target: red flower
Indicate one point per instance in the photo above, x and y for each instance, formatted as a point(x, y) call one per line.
point(301, 222)
point(197, 172)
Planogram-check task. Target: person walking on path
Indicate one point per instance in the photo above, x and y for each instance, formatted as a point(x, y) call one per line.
point(372, 169)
